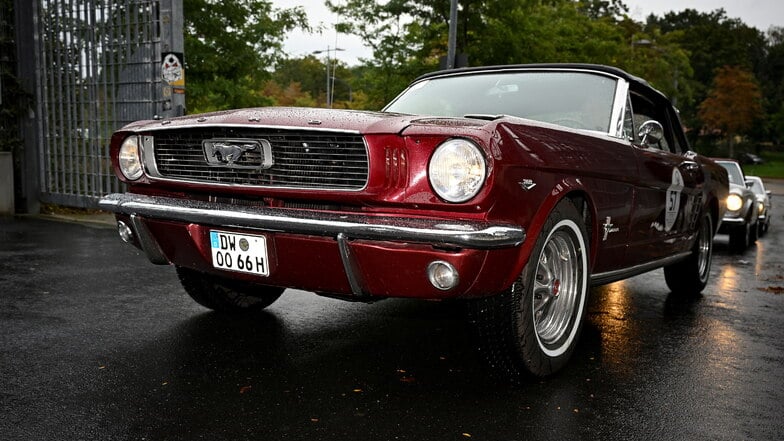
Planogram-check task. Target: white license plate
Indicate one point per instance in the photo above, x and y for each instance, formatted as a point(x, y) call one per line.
point(239, 252)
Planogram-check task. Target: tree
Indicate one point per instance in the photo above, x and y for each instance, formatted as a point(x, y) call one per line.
point(660, 60)
point(733, 105)
point(711, 40)
point(394, 31)
point(772, 79)
point(15, 101)
point(229, 49)
point(293, 95)
point(311, 74)
point(409, 36)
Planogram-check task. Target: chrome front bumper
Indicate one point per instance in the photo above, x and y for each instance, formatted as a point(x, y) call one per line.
point(440, 232)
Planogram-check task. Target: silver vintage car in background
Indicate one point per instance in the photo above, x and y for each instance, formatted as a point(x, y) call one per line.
point(763, 204)
point(740, 220)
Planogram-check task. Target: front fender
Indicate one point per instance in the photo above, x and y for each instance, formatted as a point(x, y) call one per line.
point(537, 208)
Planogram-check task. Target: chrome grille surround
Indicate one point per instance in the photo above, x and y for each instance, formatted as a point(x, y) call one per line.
point(301, 158)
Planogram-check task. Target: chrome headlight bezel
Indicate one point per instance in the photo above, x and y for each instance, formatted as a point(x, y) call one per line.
point(129, 158)
point(457, 170)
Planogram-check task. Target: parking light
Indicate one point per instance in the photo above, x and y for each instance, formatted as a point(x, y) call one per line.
point(442, 275)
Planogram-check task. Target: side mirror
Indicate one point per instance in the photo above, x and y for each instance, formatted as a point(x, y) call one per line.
point(749, 183)
point(650, 133)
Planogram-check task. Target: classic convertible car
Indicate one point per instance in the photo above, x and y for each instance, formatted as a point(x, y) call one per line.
point(741, 220)
point(517, 187)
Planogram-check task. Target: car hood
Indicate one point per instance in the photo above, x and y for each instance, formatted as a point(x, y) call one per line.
point(363, 122)
point(741, 190)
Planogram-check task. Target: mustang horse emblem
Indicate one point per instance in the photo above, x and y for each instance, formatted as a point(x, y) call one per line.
point(229, 152)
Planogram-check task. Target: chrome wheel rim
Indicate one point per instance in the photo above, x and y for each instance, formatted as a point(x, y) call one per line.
point(705, 242)
point(558, 287)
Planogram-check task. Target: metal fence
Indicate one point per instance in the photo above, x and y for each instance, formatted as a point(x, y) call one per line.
point(98, 68)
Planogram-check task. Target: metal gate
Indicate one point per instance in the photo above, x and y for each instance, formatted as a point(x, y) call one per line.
point(98, 68)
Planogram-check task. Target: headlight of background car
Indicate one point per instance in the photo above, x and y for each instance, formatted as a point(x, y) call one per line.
point(130, 158)
point(760, 208)
point(457, 170)
point(734, 202)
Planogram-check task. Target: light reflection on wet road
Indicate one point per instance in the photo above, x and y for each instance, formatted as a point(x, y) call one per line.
point(96, 343)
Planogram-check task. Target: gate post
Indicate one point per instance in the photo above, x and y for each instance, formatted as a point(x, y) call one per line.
point(27, 58)
point(172, 58)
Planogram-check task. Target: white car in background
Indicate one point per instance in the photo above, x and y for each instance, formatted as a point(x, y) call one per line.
point(763, 203)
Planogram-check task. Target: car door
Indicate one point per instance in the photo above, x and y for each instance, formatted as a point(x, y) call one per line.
point(668, 188)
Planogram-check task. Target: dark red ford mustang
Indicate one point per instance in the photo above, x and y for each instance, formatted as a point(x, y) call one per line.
point(518, 187)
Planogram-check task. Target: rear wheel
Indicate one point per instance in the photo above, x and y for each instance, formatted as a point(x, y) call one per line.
point(690, 275)
point(532, 328)
point(754, 231)
point(765, 226)
point(226, 295)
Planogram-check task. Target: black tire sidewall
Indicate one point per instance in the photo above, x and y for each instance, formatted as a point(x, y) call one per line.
point(538, 358)
point(226, 295)
point(685, 277)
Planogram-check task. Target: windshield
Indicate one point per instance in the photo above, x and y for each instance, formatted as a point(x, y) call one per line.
point(579, 100)
point(756, 186)
point(733, 170)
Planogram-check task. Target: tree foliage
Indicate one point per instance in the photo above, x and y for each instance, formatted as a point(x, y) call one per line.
point(711, 40)
point(15, 101)
point(394, 30)
point(678, 53)
point(409, 37)
point(734, 103)
point(230, 48)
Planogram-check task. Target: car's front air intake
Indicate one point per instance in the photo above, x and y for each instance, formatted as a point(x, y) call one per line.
point(239, 156)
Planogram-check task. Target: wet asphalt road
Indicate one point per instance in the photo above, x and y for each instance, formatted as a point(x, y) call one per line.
point(96, 343)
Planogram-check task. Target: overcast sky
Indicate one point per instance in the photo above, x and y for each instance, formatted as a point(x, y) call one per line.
point(761, 14)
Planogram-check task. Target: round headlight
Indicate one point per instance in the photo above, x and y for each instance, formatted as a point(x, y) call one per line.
point(734, 202)
point(130, 158)
point(457, 170)
point(760, 208)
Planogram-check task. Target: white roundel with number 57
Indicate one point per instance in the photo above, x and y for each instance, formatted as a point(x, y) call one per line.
point(673, 200)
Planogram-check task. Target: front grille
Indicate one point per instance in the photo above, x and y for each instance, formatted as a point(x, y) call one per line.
point(300, 158)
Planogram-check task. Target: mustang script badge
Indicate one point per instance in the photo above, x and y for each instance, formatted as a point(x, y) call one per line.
point(249, 154)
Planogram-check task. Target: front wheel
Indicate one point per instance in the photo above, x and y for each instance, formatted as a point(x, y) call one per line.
point(689, 276)
point(739, 238)
point(532, 328)
point(226, 295)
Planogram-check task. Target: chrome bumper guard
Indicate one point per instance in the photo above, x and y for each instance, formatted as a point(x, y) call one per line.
point(439, 232)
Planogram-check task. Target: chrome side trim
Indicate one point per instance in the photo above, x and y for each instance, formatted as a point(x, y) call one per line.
point(148, 157)
point(440, 232)
point(625, 273)
point(148, 243)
